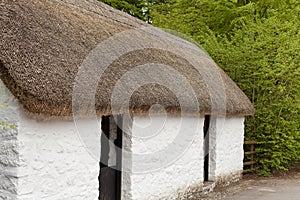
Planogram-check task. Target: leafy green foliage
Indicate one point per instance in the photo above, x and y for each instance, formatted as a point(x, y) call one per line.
point(263, 59)
point(133, 7)
point(137, 8)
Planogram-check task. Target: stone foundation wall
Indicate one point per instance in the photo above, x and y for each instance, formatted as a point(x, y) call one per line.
point(9, 156)
point(9, 163)
point(198, 191)
point(191, 193)
point(227, 179)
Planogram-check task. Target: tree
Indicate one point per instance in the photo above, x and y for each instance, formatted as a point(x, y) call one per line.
point(137, 8)
point(133, 7)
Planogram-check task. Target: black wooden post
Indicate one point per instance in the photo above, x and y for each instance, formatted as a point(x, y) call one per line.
point(118, 144)
point(106, 189)
point(105, 127)
point(110, 176)
point(206, 146)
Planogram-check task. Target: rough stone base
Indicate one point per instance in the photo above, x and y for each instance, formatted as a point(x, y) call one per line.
point(208, 187)
point(9, 162)
point(227, 179)
point(191, 193)
point(200, 190)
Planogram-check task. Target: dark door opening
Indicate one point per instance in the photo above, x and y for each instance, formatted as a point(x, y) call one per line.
point(110, 158)
point(206, 147)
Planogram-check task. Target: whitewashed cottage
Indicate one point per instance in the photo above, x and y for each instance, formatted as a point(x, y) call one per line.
point(71, 68)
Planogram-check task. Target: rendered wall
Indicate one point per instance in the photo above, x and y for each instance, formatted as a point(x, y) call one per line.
point(8, 145)
point(45, 159)
point(229, 149)
point(185, 173)
point(54, 162)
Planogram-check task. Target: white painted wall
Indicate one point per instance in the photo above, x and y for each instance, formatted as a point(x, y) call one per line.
point(49, 161)
point(226, 155)
point(46, 160)
point(8, 145)
point(54, 162)
point(167, 181)
point(229, 146)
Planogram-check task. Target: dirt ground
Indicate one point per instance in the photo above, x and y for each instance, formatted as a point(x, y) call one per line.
point(281, 186)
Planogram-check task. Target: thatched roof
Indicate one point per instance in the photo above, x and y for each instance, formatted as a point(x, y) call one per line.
point(44, 43)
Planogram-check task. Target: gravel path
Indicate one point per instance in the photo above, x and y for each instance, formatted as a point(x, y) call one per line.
point(284, 187)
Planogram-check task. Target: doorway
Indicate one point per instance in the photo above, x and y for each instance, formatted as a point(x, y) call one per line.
point(206, 148)
point(111, 158)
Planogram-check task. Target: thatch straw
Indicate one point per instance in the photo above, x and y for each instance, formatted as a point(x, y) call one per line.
point(43, 43)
